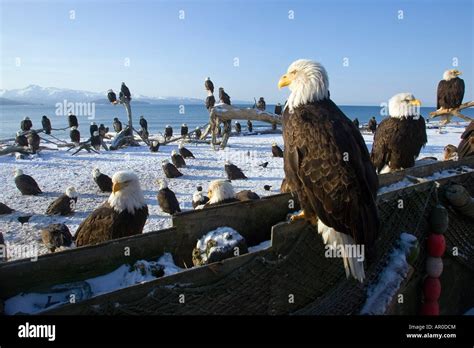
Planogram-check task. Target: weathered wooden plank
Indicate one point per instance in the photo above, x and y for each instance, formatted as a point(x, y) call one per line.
point(423, 171)
point(194, 277)
point(82, 263)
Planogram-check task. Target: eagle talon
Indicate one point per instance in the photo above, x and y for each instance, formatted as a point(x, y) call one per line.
point(300, 216)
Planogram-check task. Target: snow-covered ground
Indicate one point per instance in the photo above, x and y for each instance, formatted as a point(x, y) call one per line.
point(56, 170)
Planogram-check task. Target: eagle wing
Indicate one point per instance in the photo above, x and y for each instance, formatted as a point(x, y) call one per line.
point(440, 95)
point(61, 205)
point(97, 226)
point(327, 163)
point(398, 142)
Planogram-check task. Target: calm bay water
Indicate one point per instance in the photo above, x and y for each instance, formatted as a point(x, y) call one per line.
point(158, 116)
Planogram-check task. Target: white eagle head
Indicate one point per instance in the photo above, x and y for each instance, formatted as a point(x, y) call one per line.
point(162, 183)
point(404, 105)
point(71, 192)
point(180, 145)
point(173, 153)
point(126, 192)
point(220, 190)
point(18, 172)
point(451, 74)
point(96, 172)
point(308, 82)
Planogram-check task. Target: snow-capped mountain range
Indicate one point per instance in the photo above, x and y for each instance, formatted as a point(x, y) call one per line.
point(34, 94)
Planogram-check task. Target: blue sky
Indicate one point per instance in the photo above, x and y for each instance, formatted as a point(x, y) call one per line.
point(171, 57)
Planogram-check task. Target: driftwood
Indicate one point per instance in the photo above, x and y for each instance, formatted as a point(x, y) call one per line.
point(223, 113)
point(183, 137)
point(448, 114)
point(12, 149)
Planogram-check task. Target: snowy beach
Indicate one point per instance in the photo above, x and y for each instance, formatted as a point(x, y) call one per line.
point(57, 169)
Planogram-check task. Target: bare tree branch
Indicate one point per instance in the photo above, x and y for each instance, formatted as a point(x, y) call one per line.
point(448, 114)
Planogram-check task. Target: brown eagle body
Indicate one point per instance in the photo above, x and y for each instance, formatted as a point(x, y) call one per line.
point(277, 151)
point(450, 93)
point(27, 185)
point(397, 142)
point(246, 195)
point(63, 205)
point(466, 146)
point(178, 161)
point(327, 164)
point(105, 223)
point(167, 201)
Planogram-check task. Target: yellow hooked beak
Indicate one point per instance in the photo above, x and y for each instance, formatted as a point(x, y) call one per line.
point(209, 194)
point(415, 102)
point(118, 186)
point(285, 80)
point(457, 73)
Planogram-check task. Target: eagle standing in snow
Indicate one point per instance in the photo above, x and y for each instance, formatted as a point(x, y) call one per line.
point(167, 199)
point(64, 204)
point(276, 150)
point(170, 170)
point(103, 181)
point(327, 164)
point(124, 214)
point(233, 172)
point(26, 184)
point(400, 137)
point(450, 90)
point(184, 152)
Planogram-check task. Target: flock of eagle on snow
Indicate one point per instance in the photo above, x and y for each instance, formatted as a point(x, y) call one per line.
point(326, 163)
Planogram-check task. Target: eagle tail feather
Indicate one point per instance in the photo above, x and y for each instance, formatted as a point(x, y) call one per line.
point(353, 265)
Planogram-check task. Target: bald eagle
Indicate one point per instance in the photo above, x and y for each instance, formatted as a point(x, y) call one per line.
point(124, 214)
point(168, 132)
point(199, 198)
point(326, 162)
point(46, 123)
point(33, 141)
point(400, 137)
point(170, 170)
point(26, 184)
point(103, 181)
point(233, 172)
point(143, 123)
point(223, 96)
point(220, 192)
point(466, 146)
point(184, 130)
point(117, 125)
point(64, 204)
point(450, 152)
point(125, 91)
point(75, 135)
point(26, 124)
point(208, 85)
point(177, 159)
point(184, 151)
point(450, 90)
point(20, 139)
point(167, 199)
point(72, 121)
point(56, 236)
point(93, 128)
point(112, 96)
point(154, 146)
point(96, 140)
point(246, 195)
point(276, 150)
